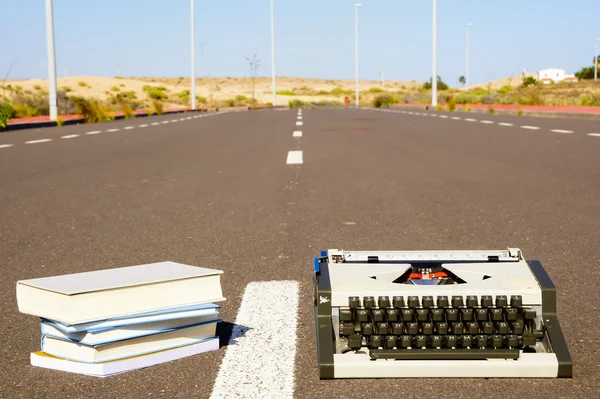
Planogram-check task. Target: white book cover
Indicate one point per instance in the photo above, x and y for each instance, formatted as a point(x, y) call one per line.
point(106, 336)
point(171, 314)
point(41, 359)
point(113, 293)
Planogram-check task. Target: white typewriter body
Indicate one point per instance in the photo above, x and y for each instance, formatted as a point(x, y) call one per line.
point(481, 273)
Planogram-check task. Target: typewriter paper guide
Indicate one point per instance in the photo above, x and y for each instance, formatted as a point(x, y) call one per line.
point(375, 279)
point(103, 280)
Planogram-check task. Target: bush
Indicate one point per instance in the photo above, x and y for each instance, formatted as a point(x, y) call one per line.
point(201, 100)
point(296, 103)
point(505, 89)
point(285, 93)
point(184, 97)
point(338, 91)
point(155, 93)
point(91, 110)
point(439, 107)
point(158, 107)
point(82, 84)
point(529, 81)
point(122, 85)
point(492, 111)
point(37, 87)
point(488, 99)
point(5, 115)
point(115, 89)
point(375, 90)
point(520, 113)
point(66, 89)
point(590, 100)
point(59, 121)
point(467, 98)
point(467, 109)
point(440, 84)
point(451, 104)
point(127, 111)
point(242, 99)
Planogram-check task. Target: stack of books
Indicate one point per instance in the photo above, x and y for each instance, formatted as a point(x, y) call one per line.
point(112, 321)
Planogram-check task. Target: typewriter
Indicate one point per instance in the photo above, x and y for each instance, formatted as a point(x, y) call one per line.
point(396, 314)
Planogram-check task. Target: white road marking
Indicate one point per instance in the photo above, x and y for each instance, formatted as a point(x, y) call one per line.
point(181, 119)
point(189, 118)
point(456, 118)
point(530, 127)
point(299, 118)
point(433, 115)
point(5, 145)
point(130, 127)
point(155, 124)
point(38, 141)
point(260, 357)
point(299, 123)
point(562, 131)
point(142, 125)
point(112, 130)
point(411, 113)
point(443, 116)
point(165, 122)
point(294, 158)
point(505, 124)
point(298, 133)
point(594, 134)
point(71, 136)
point(174, 120)
point(487, 122)
point(94, 132)
point(471, 120)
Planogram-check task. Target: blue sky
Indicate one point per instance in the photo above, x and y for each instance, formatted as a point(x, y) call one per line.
point(314, 38)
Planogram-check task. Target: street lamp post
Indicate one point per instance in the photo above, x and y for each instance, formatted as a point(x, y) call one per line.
point(273, 53)
point(193, 55)
point(356, 6)
point(596, 63)
point(467, 65)
point(52, 95)
point(434, 99)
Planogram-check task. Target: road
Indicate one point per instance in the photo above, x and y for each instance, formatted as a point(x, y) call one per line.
point(218, 191)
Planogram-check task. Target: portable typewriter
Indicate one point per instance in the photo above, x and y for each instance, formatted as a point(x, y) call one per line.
point(436, 314)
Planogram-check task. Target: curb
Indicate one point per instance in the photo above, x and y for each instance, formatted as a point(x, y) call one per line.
point(77, 121)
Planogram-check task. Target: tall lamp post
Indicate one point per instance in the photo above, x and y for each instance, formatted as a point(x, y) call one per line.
point(193, 55)
point(52, 95)
point(596, 61)
point(467, 65)
point(356, 7)
point(273, 52)
point(434, 99)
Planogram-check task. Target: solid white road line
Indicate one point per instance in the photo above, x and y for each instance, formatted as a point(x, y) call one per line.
point(298, 133)
point(487, 122)
point(594, 134)
point(38, 141)
point(294, 158)
point(260, 357)
point(471, 120)
point(562, 131)
point(505, 124)
point(71, 136)
point(112, 130)
point(530, 127)
point(299, 123)
point(130, 127)
point(94, 132)
point(5, 145)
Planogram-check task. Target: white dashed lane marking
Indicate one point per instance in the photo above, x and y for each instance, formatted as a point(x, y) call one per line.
point(130, 127)
point(142, 125)
point(112, 130)
point(530, 127)
point(260, 358)
point(594, 134)
point(71, 136)
point(456, 118)
point(155, 124)
point(93, 132)
point(443, 117)
point(294, 158)
point(38, 141)
point(505, 124)
point(165, 122)
point(299, 123)
point(471, 120)
point(5, 145)
point(298, 133)
point(562, 131)
point(487, 122)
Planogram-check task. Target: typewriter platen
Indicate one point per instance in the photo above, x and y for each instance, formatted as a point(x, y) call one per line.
point(436, 314)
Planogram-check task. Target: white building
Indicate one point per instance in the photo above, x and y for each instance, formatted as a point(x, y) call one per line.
point(548, 76)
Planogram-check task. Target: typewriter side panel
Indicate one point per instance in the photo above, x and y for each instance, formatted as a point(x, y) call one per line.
point(323, 322)
point(549, 315)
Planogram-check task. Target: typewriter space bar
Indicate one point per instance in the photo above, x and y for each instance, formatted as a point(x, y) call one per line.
point(444, 354)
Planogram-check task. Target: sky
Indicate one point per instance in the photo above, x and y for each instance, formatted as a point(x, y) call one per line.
point(314, 38)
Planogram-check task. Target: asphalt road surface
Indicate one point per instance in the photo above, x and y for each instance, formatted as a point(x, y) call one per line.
point(218, 191)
